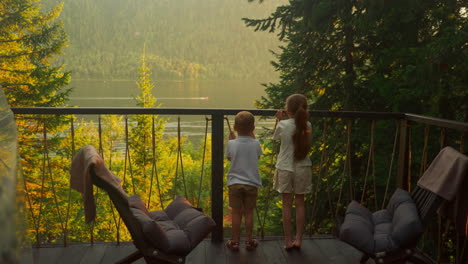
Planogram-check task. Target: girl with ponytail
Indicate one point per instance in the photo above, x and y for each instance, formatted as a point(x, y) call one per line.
point(293, 167)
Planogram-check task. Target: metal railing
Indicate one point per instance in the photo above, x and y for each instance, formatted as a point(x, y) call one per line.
point(401, 147)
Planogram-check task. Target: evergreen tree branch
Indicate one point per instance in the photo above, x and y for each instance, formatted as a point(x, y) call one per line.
point(14, 71)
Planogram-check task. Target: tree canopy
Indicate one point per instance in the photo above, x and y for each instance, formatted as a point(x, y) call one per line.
point(402, 56)
point(29, 40)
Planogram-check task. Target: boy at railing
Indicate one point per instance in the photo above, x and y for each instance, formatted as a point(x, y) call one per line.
point(243, 178)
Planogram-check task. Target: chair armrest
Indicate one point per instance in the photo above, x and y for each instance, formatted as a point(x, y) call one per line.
point(358, 227)
point(407, 226)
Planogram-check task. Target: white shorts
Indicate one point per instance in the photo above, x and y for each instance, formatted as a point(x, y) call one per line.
point(297, 182)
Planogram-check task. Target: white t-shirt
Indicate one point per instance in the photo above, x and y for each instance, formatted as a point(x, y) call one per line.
point(244, 152)
point(284, 132)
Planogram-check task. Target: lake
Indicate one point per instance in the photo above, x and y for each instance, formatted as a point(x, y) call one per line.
point(179, 94)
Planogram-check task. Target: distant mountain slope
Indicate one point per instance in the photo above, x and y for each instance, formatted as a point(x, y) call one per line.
point(185, 39)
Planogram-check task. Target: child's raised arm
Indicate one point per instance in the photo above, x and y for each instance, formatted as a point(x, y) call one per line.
point(232, 135)
point(281, 114)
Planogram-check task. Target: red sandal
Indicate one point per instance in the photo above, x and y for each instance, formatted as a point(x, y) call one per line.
point(234, 246)
point(251, 244)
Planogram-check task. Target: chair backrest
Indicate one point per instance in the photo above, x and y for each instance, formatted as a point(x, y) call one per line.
point(426, 202)
point(120, 201)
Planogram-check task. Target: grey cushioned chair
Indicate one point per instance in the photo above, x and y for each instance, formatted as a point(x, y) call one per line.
point(390, 235)
point(165, 236)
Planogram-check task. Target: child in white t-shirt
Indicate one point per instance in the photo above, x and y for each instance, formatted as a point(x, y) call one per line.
point(243, 178)
point(293, 167)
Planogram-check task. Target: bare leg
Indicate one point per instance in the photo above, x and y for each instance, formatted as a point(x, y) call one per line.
point(287, 207)
point(249, 222)
point(300, 218)
point(236, 223)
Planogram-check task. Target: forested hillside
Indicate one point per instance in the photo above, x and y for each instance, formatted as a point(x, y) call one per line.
point(185, 39)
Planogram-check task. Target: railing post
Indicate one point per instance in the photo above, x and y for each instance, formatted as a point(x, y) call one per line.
point(403, 156)
point(217, 175)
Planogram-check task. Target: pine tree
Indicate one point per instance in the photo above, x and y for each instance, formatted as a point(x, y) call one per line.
point(402, 56)
point(142, 136)
point(29, 40)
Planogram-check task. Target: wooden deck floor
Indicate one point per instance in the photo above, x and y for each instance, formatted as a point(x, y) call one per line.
point(323, 250)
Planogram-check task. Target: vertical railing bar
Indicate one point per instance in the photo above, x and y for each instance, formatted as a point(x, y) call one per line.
point(73, 136)
point(443, 137)
point(93, 223)
point(33, 216)
point(179, 138)
point(153, 162)
point(373, 166)
point(439, 238)
point(325, 149)
point(369, 158)
point(202, 172)
point(35, 223)
point(52, 181)
point(461, 251)
point(267, 205)
point(127, 155)
point(36, 219)
point(42, 188)
point(442, 142)
point(116, 222)
point(313, 211)
point(72, 130)
point(424, 151)
point(174, 191)
point(410, 157)
point(456, 224)
point(403, 156)
point(324, 160)
point(348, 159)
point(154, 168)
point(397, 129)
point(424, 166)
point(126, 151)
point(161, 201)
point(101, 151)
point(115, 219)
point(217, 175)
point(346, 167)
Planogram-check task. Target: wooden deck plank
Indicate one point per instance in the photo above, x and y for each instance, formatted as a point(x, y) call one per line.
point(330, 248)
point(215, 252)
point(198, 254)
point(245, 256)
point(115, 252)
point(272, 251)
point(269, 251)
point(72, 254)
point(309, 253)
point(26, 256)
point(94, 254)
point(350, 252)
point(46, 255)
